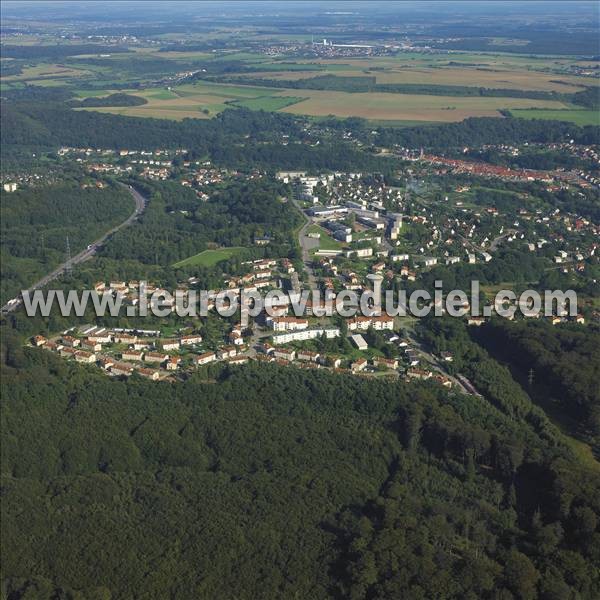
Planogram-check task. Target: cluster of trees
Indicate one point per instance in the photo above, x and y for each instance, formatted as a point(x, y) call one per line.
point(118, 99)
point(263, 481)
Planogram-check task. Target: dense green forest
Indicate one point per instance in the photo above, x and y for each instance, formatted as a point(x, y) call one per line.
point(563, 363)
point(272, 482)
point(35, 223)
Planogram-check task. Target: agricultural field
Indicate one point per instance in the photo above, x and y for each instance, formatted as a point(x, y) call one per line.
point(201, 100)
point(208, 258)
point(408, 107)
point(205, 99)
point(435, 74)
point(579, 117)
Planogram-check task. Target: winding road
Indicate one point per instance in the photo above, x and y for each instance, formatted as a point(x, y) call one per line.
point(89, 252)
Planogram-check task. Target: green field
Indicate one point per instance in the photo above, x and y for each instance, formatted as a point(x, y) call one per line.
point(208, 258)
point(579, 117)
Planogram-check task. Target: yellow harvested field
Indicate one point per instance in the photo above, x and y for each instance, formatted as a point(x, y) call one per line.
point(406, 107)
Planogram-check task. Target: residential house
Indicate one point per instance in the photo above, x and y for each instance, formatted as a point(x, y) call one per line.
point(443, 380)
point(284, 354)
point(39, 340)
point(131, 355)
point(287, 323)
point(418, 374)
point(204, 359)
point(188, 340)
point(388, 363)
point(100, 338)
point(91, 346)
point(70, 341)
point(85, 357)
point(152, 374)
point(238, 360)
point(106, 363)
point(122, 369)
point(125, 338)
point(226, 352)
point(155, 357)
point(358, 365)
point(169, 344)
point(307, 355)
point(173, 364)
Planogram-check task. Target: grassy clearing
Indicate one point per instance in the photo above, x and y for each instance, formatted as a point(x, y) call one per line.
point(579, 117)
point(209, 258)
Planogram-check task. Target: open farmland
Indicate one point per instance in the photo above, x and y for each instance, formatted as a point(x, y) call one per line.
point(408, 107)
point(451, 75)
point(204, 100)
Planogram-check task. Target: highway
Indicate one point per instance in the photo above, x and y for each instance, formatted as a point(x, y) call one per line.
point(86, 254)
